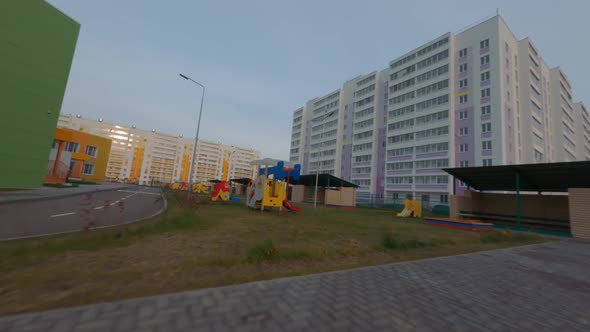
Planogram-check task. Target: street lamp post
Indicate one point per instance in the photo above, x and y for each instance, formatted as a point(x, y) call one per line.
point(317, 173)
point(191, 168)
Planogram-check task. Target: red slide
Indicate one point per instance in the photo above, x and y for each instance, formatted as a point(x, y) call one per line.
point(290, 207)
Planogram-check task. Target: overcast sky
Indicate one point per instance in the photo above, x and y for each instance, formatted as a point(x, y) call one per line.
point(260, 60)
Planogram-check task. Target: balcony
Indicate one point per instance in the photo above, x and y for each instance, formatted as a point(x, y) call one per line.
point(399, 172)
point(396, 158)
point(390, 186)
point(431, 155)
point(442, 187)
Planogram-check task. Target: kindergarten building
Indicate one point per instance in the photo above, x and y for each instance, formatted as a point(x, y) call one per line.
point(479, 97)
point(147, 156)
point(77, 155)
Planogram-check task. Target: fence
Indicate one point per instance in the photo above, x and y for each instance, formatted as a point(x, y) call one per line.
point(429, 206)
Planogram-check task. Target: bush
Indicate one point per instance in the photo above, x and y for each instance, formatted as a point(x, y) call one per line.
point(394, 242)
point(264, 252)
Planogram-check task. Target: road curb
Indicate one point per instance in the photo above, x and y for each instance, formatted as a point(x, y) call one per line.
point(162, 210)
point(47, 198)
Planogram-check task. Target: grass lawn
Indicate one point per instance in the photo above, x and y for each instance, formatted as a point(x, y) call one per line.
point(216, 244)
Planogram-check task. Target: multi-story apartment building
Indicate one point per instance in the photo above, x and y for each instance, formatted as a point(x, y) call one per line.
point(479, 97)
point(582, 120)
point(147, 155)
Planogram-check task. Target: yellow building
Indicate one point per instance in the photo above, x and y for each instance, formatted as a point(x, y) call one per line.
point(77, 155)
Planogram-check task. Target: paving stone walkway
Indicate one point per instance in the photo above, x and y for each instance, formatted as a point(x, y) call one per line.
point(543, 287)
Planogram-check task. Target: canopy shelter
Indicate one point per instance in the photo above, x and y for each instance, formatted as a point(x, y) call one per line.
point(549, 177)
point(324, 180)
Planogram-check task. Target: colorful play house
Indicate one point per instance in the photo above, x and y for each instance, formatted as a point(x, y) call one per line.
point(76, 155)
point(270, 188)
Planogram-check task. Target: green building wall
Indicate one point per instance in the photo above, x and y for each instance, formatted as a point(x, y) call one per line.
point(37, 44)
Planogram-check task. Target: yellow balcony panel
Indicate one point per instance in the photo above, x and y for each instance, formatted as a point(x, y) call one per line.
point(80, 156)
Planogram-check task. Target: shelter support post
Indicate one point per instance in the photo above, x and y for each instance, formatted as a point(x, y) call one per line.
point(518, 203)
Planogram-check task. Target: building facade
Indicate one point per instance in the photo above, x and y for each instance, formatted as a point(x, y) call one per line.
point(146, 156)
point(77, 155)
point(479, 97)
point(38, 43)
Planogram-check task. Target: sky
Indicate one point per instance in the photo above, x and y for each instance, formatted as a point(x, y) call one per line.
point(261, 60)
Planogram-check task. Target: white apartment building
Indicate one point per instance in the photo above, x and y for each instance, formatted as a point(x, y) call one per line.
point(479, 97)
point(582, 120)
point(148, 155)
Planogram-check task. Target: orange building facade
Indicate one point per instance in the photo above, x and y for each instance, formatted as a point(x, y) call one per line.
point(77, 155)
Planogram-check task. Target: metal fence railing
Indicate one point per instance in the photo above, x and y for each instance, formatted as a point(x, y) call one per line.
point(429, 206)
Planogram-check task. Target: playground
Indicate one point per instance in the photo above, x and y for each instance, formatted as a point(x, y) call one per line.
point(215, 243)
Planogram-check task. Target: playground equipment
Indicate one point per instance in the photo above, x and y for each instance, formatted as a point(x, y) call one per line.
point(269, 189)
point(221, 189)
point(197, 187)
point(200, 188)
point(412, 208)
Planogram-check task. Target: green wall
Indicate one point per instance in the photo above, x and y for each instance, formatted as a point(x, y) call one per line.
point(37, 44)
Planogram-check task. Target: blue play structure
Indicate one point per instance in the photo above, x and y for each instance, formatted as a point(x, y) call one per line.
point(280, 172)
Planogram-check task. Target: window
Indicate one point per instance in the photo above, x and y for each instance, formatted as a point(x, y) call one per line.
point(485, 76)
point(435, 147)
point(463, 83)
point(538, 155)
point(88, 169)
point(432, 88)
point(463, 53)
point(484, 43)
point(432, 179)
point(400, 180)
point(462, 115)
point(464, 163)
point(441, 131)
point(72, 147)
point(432, 73)
point(463, 99)
point(463, 147)
point(464, 131)
point(433, 117)
point(487, 162)
point(486, 127)
point(486, 145)
point(434, 163)
point(487, 109)
point(484, 60)
point(400, 166)
point(485, 93)
point(91, 151)
point(463, 68)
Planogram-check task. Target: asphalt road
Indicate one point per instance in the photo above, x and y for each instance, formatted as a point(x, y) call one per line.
point(76, 213)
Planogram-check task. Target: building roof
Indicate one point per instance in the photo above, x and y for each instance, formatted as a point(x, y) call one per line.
point(549, 177)
point(324, 180)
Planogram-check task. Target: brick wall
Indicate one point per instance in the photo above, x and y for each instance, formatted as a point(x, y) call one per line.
point(579, 206)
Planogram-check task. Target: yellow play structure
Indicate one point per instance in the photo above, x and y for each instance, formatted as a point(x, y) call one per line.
point(200, 188)
point(269, 189)
point(412, 208)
